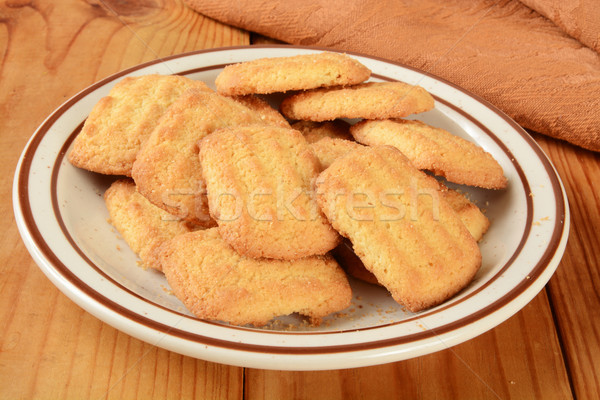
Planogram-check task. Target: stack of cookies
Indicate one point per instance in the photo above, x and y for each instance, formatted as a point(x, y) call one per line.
point(244, 212)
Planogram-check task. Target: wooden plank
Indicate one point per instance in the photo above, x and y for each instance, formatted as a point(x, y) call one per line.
point(574, 289)
point(49, 347)
point(521, 359)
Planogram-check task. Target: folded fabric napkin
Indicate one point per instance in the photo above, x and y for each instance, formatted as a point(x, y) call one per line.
point(504, 51)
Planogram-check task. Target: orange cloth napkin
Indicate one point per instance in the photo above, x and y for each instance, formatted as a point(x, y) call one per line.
point(501, 50)
point(578, 18)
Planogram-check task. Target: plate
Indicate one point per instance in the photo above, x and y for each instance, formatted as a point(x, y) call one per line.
point(62, 219)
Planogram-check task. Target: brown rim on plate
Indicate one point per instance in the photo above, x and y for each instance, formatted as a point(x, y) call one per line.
point(23, 192)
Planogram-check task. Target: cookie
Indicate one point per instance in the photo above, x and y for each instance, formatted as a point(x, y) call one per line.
point(281, 74)
point(401, 228)
point(216, 283)
point(471, 216)
point(167, 169)
point(373, 100)
point(268, 114)
point(144, 226)
point(121, 122)
point(259, 182)
point(436, 150)
point(329, 149)
point(314, 131)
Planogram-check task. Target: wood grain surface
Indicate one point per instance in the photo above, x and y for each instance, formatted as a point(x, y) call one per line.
point(575, 287)
point(52, 349)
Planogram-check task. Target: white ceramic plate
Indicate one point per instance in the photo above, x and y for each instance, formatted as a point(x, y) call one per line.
point(63, 221)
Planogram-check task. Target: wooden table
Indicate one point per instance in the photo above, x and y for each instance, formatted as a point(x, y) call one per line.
point(50, 348)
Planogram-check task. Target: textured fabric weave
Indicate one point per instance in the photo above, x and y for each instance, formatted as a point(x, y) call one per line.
point(501, 50)
point(578, 18)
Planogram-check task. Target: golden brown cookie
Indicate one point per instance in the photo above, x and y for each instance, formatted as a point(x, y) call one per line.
point(373, 100)
point(314, 131)
point(402, 229)
point(143, 225)
point(470, 215)
point(167, 169)
point(436, 150)
point(328, 150)
point(216, 283)
point(259, 181)
point(280, 74)
point(121, 122)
